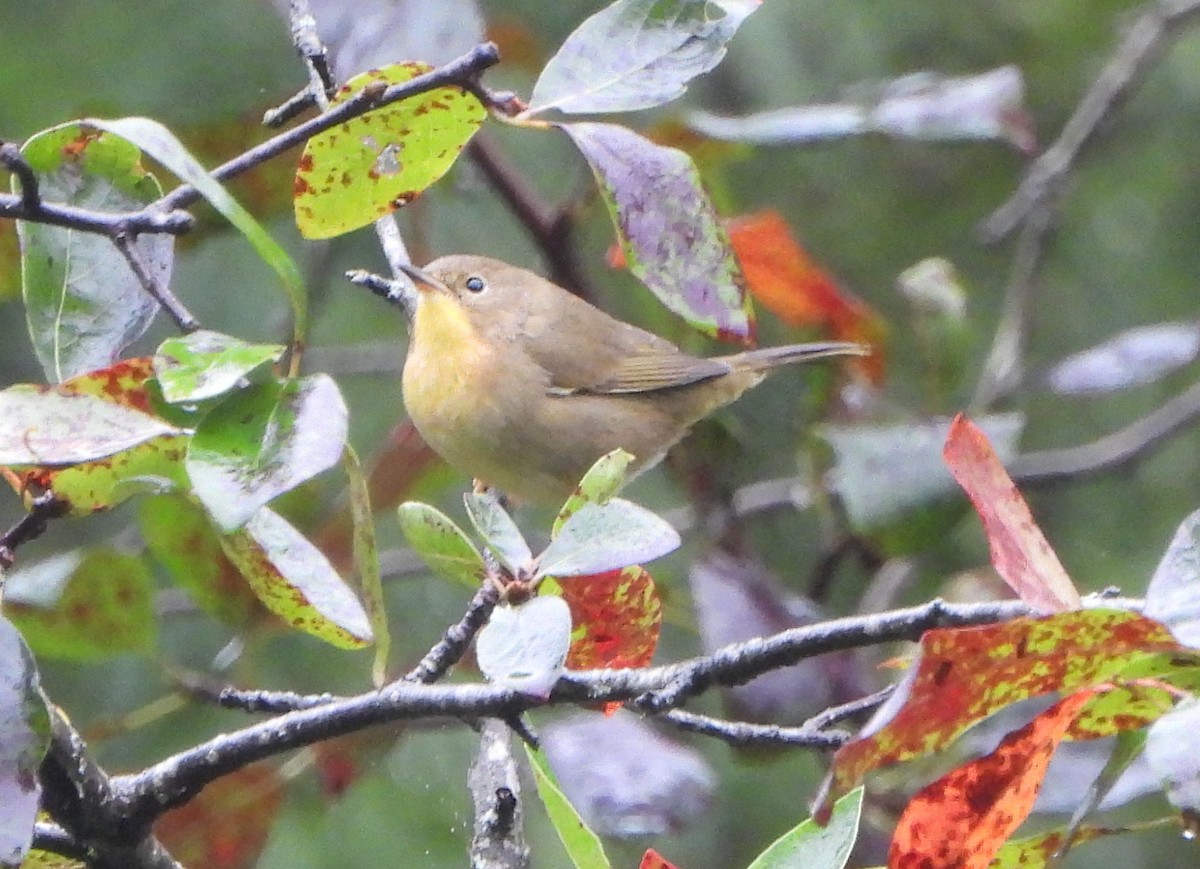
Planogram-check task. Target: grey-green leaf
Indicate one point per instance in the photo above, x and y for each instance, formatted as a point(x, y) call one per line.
point(24, 736)
point(602, 480)
point(600, 537)
point(441, 543)
point(810, 845)
point(635, 54)
point(206, 364)
point(264, 441)
point(525, 646)
point(498, 530)
point(83, 303)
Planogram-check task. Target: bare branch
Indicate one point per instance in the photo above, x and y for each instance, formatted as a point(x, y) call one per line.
point(109, 223)
point(14, 161)
point(498, 842)
point(157, 290)
point(1133, 58)
point(744, 734)
point(30, 526)
point(454, 643)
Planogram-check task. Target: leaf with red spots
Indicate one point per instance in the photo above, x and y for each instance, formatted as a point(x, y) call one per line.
point(180, 535)
point(93, 440)
point(963, 818)
point(783, 277)
point(296, 582)
point(615, 616)
point(962, 675)
point(1020, 552)
point(227, 824)
point(83, 303)
point(669, 230)
point(1038, 852)
point(263, 441)
point(83, 605)
point(359, 171)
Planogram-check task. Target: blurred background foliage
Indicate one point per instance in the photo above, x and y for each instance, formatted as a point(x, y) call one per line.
point(1125, 254)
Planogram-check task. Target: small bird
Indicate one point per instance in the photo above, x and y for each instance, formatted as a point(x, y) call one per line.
point(521, 384)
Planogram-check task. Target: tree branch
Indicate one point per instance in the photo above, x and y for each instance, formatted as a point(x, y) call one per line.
point(160, 292)
point(30, 526)
point(744, 734)
point(498, 842)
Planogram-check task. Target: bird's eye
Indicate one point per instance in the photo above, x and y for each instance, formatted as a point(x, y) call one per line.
point(476, 284)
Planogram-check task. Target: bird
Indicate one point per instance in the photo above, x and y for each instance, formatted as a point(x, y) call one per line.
point(522, 385)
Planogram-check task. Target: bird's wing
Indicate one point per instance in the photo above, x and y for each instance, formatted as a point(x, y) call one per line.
point(645, 372)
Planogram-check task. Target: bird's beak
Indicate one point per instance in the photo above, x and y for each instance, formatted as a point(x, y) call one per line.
point(423, 281)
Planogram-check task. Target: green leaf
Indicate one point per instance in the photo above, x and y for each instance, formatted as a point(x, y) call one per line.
point(601, 537)
point(83, 303)
point(207, 364)
point(161, 144)
point(524, 646)
point(366, 168)
point(180, 535)
point(441, 543)
point(816, 847)
point(583, 845)
point(366, 560)
point(264, 441)
point(498, 530)
point(84, 605)
point(672, 238)
point(24, 738)
point(47, 427)
point(295, 581)
point(602, 480)
point(635, 54)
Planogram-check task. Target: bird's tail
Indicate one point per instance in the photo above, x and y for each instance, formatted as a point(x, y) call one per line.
point(769, 357)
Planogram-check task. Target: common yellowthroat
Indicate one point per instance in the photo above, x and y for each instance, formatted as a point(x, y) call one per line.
point(519, 383)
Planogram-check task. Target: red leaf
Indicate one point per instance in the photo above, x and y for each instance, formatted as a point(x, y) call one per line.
point(616, 616)
point(782, 276)
point(963, 818)
point(653, 860)
point(1020, 552)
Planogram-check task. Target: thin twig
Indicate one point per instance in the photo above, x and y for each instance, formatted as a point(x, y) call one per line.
point(53, 838)
point(14, 161)
point(156, 289)
point(1133, 58)
point(744, 733)
point(42, 509)
point(835, 714)
point(110, 223)
point(1116, 450)
point(454, 643)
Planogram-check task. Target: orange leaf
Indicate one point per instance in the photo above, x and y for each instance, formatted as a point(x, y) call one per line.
point(782, 276)
point(616, 616)
point(963, 818)
point(1020, 552)
point(653, 860)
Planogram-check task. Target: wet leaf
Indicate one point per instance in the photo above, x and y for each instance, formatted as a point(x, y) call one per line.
point(624, 778)
point(962, 675)
point(179, 533)
point(366, 562)
point(24, 738)
point(441, 543)
point(826, 846)
point(296, 582)
point(1134, 357)
point(1020, 552)
point(83, 303)
point(1173, 596)
point(207, 364)
point(616, 618)
point(264, 441)
point(161, 144)
point(782, 277)
point(602, 480)
point(525, 645)
point(152, 464)
point(669, 231)
point(498, 530)
point(227, 824)
point(366, 168)
point(583, 846)
point(634, 54)
point(84, 605)
point(884, 471)
point(923, 106)
point(964, 817)
point(609, 536)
